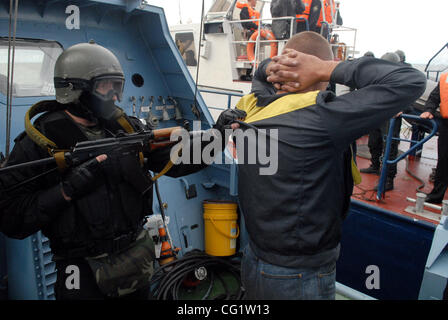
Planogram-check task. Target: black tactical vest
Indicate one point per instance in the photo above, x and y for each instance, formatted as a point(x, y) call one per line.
point(107, 219)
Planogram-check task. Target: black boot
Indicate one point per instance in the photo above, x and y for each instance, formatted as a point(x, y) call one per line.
point(436, 195)
point(372, 170)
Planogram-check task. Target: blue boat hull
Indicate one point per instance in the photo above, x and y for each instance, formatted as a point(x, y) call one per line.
point(397, 245)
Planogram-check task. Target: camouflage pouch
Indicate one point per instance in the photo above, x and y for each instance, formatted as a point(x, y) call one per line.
point(126, 271)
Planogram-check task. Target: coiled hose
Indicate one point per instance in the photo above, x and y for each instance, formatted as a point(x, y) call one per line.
point(167, 280)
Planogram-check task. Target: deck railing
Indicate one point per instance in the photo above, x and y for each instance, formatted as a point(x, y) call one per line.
point(415, 144)
point(292, 20)
point(223, 92)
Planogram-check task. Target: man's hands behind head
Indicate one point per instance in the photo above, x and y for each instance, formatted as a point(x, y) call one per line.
point(294, 71)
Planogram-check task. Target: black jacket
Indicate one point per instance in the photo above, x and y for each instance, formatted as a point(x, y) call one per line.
point(433, 102)
point(294, 217)
point(244, 15)
point(88, 225)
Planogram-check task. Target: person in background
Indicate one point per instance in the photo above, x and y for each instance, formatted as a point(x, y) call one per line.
point(310, 16)
point(437, 107)
point(323, 26)
point(284, 8)
point(402, 57)
point(248, 12)
point(377, 142)
point(331, 11)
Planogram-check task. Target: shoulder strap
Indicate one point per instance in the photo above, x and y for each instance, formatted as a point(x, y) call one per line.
point(51, 146)
point(34, 134)
point(125, 124)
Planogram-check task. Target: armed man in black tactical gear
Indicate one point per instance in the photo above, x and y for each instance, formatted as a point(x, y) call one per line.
point(92, 213)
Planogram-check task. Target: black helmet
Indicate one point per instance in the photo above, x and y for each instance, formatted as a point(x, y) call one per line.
point(90, 75)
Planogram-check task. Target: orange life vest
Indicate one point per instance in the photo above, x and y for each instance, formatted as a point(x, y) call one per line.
point(306, 13)
point(328, 6)
point(254, 14)
point(444, 95)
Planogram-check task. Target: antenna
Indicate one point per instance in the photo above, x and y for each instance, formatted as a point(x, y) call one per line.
point(199, 56)
point(180, 13)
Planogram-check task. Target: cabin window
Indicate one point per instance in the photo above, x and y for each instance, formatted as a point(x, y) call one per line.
point(33, 67)
point(185, 44)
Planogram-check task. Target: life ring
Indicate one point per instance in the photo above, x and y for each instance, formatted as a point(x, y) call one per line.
point(342, 51)
point(268, 35)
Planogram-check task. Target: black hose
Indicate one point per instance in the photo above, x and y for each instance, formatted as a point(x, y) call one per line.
point(167, 280)
point(209, 290)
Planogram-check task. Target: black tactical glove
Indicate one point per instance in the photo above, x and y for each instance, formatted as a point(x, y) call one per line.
point(227, 117)
point(82, 179)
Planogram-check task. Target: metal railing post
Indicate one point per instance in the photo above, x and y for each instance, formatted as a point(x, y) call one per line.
point(292, 29)
point(229, 97)
point(380, 190)
point(386, 161)
point(306, 23)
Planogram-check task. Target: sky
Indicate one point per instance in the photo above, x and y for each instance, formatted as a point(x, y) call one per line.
point(417, 27)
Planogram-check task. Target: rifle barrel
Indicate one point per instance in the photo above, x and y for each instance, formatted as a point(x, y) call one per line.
point(39, 162)
point(159, 136)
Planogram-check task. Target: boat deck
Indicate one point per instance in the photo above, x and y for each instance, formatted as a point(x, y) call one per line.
point(404, 184)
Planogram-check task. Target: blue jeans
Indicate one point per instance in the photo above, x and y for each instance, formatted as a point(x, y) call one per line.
point(265, 281)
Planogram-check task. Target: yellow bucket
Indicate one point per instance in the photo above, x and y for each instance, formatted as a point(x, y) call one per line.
point(220, 227)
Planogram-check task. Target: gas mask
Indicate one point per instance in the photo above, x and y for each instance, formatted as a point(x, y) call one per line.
point(101, 97)
point(97, 98)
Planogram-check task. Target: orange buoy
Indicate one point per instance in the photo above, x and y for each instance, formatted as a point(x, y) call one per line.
point(266, 34)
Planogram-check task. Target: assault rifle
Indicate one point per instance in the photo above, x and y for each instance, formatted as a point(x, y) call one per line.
point(85, 150)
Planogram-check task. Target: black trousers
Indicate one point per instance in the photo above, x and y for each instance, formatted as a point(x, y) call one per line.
point(441, 176)
point(377, 146)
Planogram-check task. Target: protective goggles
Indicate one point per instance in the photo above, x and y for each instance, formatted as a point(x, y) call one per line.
point(105, 87)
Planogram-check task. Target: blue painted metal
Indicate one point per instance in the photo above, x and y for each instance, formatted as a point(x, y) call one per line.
point(438, 66)
point(414, 146)
point(396, 244)
point(435, 277)
point(31, 272)
point(229, 95)
point(306, 23)
point(3, 269)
